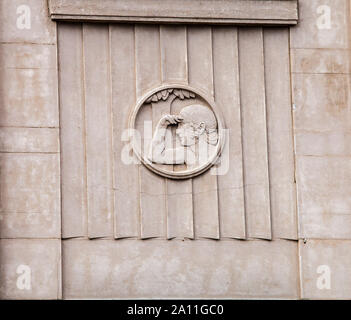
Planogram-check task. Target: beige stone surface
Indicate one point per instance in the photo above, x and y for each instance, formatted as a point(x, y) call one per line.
point(254, 131)
point(324, 197)
point(29, 120)
point(41, 29)
point(98, 136)
point(280, 151)
point(72, 133)
point(174, 64)
point(126, 176)
point(25, 55)
point(322, 102)
point(152, 187)
point(30, 195)
point(313, 31)
point(45, 140)
point(150, 56)
point(28, 97)
point(104, 70)
point(320, 61)
point(30, 269)
point(325, 269)
point(226, 82)
point(152, 204)
point(28, 68)
point(174, 68)
point(200, 75)
point(180, 269)
point(323, 144)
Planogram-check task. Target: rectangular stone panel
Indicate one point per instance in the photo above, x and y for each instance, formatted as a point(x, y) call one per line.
point(323, 144)
point(280, 134)
point(22, 55)
point(323, 24)
point(174, 68)
point(254, 133)
point(152, 187)
point(43, 140)
point(28, 97)
point(324, 197)
point(126, 175)
point(26, 21)
point(205, 188)
point(173, 43)
point(320, 61)
point(98, 134)
point(321, 102)
point(180, 269)
point(325, 269)
point(230, 171)
point(121, 63)
point(30, 269)
point(29, 195)
point(72, 132)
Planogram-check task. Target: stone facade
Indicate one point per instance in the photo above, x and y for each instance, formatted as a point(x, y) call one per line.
point(77, 222)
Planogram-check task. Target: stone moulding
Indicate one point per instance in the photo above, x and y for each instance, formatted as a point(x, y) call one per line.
point(228, 12)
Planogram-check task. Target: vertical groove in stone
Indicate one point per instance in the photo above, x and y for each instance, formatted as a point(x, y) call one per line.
point(230, 171)
point(205, 197)
point(174, 68)
point(126, 171)
point(152, 186)
point(280, 138)
point(254, 130)
point(72, 133)
point(166, 54)
point(98, 130)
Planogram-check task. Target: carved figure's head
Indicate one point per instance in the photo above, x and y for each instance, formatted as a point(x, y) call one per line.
point(197, 120)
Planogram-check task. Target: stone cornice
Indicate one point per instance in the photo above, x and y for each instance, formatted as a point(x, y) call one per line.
point(229, 12)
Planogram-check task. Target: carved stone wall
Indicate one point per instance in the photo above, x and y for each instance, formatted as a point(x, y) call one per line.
point(81, 217)
point(245, 71)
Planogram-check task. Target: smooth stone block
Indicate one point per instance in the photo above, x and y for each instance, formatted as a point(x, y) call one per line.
point(26, 21)
point(30, 269)
point(322, 24)
point(44, 140)
point(324, 187)
point(35, 56)
point(322, 102)
point(180, 269)
point(30, 195)
point(323, 144)
point(320, 61)
point(28, 98)
point(325, 269)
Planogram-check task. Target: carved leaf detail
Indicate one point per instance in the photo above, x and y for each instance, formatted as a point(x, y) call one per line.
point(164, 94)
point(186, 94)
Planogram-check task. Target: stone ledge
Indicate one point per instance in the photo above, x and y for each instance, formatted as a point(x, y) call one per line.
point(229, 12)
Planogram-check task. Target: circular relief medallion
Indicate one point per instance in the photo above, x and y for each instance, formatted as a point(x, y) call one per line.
point(177, 131)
